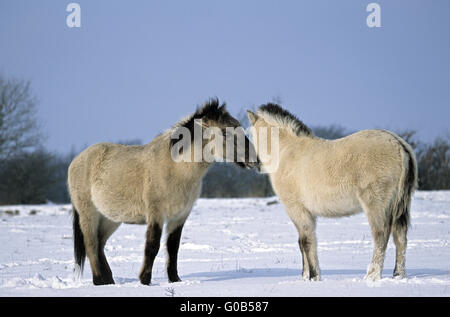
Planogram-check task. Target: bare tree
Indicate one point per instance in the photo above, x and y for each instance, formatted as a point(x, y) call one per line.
point(434, 165)
point(18, 125)
point(410, 137)
point(433, 160)
point(130, 142)
point(331, 132)
point(27, 178)
point(226, 180)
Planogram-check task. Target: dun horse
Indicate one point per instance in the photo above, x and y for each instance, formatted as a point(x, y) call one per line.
point(374, 171)
point(111, 183)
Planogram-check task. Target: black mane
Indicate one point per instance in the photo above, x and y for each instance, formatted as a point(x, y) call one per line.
point(277, 111)
point(210, 110)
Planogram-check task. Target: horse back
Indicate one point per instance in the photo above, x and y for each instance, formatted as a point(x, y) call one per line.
point(329, 175)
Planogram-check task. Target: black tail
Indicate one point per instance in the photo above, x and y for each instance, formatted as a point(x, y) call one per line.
point(409, 185)
point(78, 242)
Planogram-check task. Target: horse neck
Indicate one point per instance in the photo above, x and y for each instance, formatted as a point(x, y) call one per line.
point(192, 170)
point(189, 170)
point(286, 142)
point(286, 138)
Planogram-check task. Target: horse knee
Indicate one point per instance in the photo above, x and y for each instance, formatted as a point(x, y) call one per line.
point(305, 243)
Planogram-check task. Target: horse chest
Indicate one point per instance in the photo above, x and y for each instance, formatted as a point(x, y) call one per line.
point(181, 202)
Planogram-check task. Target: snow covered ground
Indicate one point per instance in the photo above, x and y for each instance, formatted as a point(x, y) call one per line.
point(229, 247)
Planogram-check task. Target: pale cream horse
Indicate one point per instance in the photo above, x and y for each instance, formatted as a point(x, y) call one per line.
point(374, 171)
point(111, 183)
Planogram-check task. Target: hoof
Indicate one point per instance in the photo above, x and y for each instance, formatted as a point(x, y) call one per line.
point(101, 280)
point(174, 279)
point(145, 279)
point(308, 277)
point(373, 272)
point(399, 275)
point(373, 276)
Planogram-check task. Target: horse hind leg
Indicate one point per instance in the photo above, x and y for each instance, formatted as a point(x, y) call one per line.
point(380, 219)
point(399, 231)
point(105, 230)
point(90, 220)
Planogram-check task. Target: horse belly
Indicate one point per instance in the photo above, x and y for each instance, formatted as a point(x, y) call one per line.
point(117, 209)
point(125, 214)
point(333, 205)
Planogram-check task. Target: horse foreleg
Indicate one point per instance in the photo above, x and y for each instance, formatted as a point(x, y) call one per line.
point(308, 245)
point(173, 244)
point(153, 238)
point(306, 226)
point(305, 270)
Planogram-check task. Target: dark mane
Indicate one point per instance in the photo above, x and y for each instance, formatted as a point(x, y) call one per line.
point(210, 110)
point(278, 113)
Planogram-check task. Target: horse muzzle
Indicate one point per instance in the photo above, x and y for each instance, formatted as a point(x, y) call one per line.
point(251, 165)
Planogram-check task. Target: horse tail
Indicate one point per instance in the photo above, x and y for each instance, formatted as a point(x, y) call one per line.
point(408, 182)
point(78, 244)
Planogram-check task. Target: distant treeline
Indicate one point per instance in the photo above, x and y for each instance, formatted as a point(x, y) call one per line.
point(30, 174)
point(227, 180)
point(40, 176)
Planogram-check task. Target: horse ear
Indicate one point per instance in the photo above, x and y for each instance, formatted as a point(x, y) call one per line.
point(252, 117)
point(223, 108)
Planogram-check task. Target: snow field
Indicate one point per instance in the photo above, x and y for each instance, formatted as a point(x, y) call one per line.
point(229, 247)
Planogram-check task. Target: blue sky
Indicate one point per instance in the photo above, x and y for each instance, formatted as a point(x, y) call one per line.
point(136, 67)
